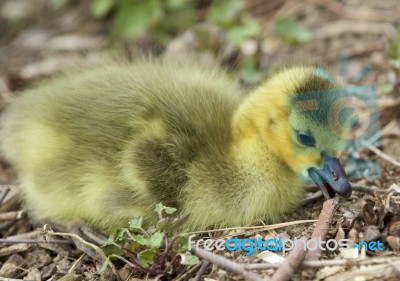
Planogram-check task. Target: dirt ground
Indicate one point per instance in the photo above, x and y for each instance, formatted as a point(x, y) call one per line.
point(37, 41)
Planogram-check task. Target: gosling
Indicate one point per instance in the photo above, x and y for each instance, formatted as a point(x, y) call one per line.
point(102, 145)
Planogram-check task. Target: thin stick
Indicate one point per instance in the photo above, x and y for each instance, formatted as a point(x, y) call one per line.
point(11, 216)
point(227, 264)
point(372, 189)
point(325, 263)
point(188, 273)
point(201, 271)
point(311, 199)
point(4, 194)
point(75, 264)
point(290, 264)
point(323, 225)
point(34, 241)
point(383, 155)
point(48, 231)
point(258, 228)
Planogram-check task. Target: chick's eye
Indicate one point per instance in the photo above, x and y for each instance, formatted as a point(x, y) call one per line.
point(306, 139)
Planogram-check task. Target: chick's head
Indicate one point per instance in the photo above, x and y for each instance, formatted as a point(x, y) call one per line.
point(300, 113)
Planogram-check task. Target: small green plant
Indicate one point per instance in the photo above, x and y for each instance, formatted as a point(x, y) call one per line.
point(133, 18)
point(160, 20)
point(231, 16)
point(156, 250)
point(394, 52)
point(292, 32)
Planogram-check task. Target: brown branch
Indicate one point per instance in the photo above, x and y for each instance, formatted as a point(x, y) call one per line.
point(188, 272)
point(325, 263)
point(255, 228)
point(316, 196)
point(11, 216)
point(323, 224)
point(203, 268)
point(34, 241)
point(372, 189)
point(4, 194)
point(101, 256)
point(227, 264)
point(383, 155)
point(290, 264)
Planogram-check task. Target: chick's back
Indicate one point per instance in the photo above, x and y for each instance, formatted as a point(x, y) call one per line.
point(105, 144)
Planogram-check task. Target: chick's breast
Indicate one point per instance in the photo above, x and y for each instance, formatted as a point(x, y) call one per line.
point(106, 144)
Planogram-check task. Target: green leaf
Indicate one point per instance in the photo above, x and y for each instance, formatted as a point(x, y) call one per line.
point(112, 249)
point(182, 244)
point(156, 239)
point(143, 240)
point(110, 240)
point(120, 234)
point(188, 259)
point(100, 8)
point(385, 88)
point(146, 257)
point(160, 207)
point(291, 32)
point(57, 4)
point(394, 48)
point(170, 223)
point(135, 223)
point(238, 34)
point(224, 12)
point(177, 4)
point(249, 72)
point(395, 63)
point(132, 19)
point(170, 210)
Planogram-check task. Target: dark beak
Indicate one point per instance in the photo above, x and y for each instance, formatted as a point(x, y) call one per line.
point(332, 178)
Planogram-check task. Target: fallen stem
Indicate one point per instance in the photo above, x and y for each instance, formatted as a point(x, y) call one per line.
point(4, 194)
point(227, 264)
point(34, 241)
point(48, 231)
point(325, 263)
point(323, 225)
point(383, 155)
point(290, 264)
point(203, 268)
point(11, 216)
point(258, 228)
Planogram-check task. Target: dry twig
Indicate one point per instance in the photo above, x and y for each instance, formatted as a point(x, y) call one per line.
point(33, 241)
point(103, 258)
point(203, 268)
point(227, 264)
point(383, 155)
point(256, 228)
point(4, 193)
point(11, 216)
point(323, 225)
point(290, 264)
point(372, 189)
point(325, 263)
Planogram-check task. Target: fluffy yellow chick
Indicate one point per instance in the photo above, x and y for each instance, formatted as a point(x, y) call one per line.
point(105, 144)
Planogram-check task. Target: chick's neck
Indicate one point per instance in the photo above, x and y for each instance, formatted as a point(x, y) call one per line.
point(262, 118)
